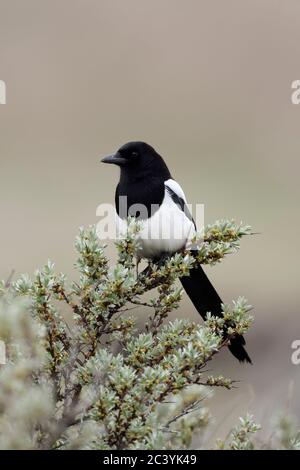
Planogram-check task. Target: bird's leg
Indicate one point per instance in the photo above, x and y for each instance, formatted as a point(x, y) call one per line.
point(138, 260)
point(159, 261)
point(162, 259)
point(146, 272)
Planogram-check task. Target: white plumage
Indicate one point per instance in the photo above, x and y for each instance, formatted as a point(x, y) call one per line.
point(167, 231)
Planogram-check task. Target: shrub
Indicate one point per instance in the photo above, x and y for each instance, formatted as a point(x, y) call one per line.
point(89, 378)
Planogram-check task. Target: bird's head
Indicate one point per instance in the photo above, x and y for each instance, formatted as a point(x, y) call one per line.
point(137, 159)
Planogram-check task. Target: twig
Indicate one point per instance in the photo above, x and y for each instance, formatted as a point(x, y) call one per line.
point(189, 409)
point(8, 281)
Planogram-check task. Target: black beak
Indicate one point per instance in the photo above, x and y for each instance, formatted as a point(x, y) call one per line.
point(115, 158)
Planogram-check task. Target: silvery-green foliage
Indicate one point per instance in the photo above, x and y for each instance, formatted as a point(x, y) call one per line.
point(286, 432)
point(242, 436)
point(26, 396)
point(89, 378)
point(284, 435)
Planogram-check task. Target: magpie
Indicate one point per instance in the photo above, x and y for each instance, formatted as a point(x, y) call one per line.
point(147, 191)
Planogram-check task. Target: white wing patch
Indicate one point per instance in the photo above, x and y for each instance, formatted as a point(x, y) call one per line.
point(167, 231)
point(172, 184)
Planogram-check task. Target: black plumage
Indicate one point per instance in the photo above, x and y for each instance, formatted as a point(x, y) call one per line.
point(149, 190)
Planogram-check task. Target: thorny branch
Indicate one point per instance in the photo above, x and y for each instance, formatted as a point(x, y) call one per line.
point(103, 380)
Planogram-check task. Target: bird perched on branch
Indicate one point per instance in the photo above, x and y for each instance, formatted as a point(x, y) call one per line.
point(147, 191)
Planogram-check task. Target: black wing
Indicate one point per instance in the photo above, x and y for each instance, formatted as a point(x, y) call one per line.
point(181, 204)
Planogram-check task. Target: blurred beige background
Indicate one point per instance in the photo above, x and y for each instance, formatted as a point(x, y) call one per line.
point(208, 83)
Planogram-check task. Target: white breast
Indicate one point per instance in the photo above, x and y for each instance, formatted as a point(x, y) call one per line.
point(167, 231)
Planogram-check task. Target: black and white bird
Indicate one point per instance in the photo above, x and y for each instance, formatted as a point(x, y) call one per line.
point(147, 191)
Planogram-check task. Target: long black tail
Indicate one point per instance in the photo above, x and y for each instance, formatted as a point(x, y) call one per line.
point(205, 299)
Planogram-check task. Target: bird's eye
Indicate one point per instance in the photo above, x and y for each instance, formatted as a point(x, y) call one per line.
point(134, 154)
